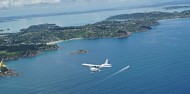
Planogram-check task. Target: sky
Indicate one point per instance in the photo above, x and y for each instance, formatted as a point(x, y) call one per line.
point(18, 3)
point(4, 4)
point(30, 7)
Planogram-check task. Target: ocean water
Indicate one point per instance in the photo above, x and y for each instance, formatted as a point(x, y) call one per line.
point(159, 64)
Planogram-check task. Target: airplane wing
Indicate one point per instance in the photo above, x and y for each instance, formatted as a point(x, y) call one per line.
point(91, 65)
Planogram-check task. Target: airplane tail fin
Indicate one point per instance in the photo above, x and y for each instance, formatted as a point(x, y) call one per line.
point(106, 62)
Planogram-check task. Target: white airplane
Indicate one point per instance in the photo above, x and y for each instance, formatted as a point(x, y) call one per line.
point(95, 68)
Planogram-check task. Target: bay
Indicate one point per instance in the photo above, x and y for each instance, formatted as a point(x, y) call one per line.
point(159, 64)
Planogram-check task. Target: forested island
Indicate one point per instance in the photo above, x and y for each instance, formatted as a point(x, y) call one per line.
point(33, 40)
point(1, 30)
point(176, 7)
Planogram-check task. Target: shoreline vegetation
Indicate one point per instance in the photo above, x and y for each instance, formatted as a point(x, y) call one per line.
point(37, 38)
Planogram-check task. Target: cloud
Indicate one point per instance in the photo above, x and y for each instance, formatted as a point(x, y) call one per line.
point(18, 3)
point(79, 3)
point(43, 1)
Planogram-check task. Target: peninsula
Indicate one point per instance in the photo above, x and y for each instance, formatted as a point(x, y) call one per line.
point(176, 7)
point(37, 38)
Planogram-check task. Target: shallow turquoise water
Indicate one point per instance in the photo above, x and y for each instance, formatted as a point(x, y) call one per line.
point(159, 64)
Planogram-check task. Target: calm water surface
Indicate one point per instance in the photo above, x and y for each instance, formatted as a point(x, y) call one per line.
point(159, 64)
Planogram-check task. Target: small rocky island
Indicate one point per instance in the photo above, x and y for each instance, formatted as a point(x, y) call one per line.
point(1, 30)
point(4, 71)
point(10, 73)
point(79, 52)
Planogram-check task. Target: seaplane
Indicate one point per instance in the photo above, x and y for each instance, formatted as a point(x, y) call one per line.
point(96, 68)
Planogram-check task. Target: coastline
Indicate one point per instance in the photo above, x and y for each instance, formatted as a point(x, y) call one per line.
point(59, 41)
point(103, 29)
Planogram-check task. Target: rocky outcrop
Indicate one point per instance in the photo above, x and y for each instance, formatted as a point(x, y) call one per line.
point(79, 52)
point(8, 72)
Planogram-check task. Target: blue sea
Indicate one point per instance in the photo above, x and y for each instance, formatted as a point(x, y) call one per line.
point(158, 59)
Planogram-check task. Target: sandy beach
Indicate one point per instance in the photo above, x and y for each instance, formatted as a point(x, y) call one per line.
point(55, 42)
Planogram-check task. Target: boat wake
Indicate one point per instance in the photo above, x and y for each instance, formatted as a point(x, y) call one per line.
point(121, 70)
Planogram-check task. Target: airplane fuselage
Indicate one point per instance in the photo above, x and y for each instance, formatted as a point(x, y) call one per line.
point(93, 69)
